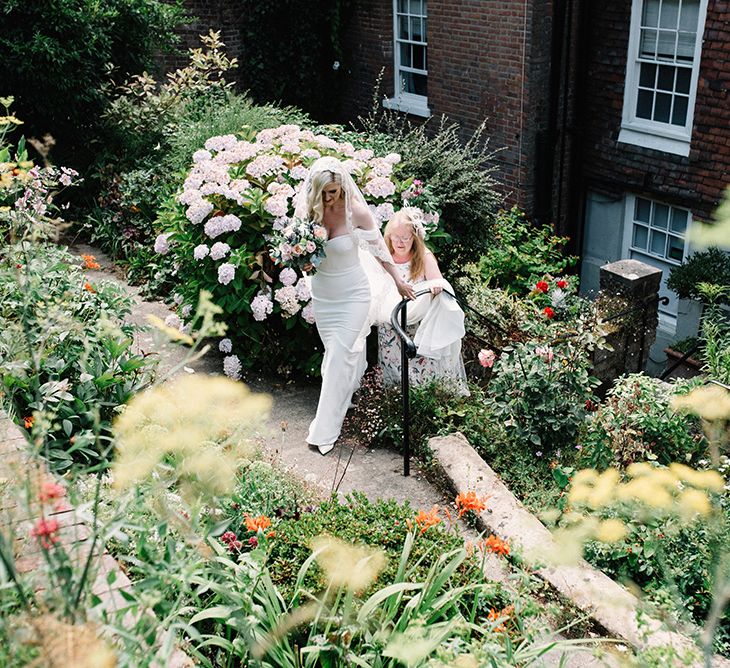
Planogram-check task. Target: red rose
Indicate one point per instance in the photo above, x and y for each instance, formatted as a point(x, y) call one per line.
point(549, 313)
point(542, 286)
point(562, 284)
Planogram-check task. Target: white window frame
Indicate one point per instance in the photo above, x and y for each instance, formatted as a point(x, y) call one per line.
point(409, 103)
point(653, 134)
point(667, 319)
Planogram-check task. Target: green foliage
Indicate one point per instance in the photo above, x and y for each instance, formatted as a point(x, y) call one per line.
point(520, 254)
point(63, 357)
point(541, 392)
point(378, 523)
point(635, 423)
point(298, 67)
point(56, 57)
point(715, 332)
point(456, 172)
point(709, 266)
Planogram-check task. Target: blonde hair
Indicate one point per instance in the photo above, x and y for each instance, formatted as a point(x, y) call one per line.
point(314, 197)
point(418, 249)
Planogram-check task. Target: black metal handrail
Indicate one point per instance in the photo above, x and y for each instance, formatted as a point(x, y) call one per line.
point(399, 321)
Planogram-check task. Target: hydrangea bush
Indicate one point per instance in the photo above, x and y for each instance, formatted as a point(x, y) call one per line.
point(219, 232)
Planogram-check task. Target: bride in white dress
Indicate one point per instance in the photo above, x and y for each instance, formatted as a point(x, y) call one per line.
point(344, 295)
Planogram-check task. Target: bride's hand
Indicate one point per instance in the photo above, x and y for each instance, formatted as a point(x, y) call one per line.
point(405, 290)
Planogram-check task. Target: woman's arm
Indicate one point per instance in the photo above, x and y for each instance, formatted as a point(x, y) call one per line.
point(432, 271)
point(363, 219)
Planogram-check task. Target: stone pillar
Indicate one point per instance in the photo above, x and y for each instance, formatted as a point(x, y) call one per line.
point(629, 300)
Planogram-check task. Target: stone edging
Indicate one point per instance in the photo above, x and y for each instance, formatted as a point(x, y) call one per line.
point(590, 590)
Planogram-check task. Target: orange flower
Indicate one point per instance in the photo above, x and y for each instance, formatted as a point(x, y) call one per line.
point(90, 262)
point(88, 287)
point(494, 615)
point(28, 422)
point(495, 545)
point(271, 534)
point(428, 519)
point(470, 501)
point(257, 523)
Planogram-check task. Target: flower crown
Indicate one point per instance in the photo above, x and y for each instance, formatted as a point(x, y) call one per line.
point(416, 217)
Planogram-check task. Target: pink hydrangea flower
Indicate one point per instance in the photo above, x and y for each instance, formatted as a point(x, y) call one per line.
point(486, 358)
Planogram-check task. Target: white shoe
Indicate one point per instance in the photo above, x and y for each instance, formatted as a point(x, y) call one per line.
point(324, 449)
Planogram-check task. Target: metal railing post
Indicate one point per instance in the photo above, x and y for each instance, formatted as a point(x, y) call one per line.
point(406, 392)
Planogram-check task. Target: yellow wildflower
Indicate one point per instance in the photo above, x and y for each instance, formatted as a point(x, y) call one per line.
point(611, 531)
point(604, 490)
point(710, 402)
point(346, 565)
point(711, 480)
point(646, 491)
point(585, 476)
point(693, 502)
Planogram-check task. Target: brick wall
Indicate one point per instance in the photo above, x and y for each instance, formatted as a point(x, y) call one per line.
point(205, 15)
point(696, 181)
point(488, 60)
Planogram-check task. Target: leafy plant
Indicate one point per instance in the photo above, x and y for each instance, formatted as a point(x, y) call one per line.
point(709, 266)
point(715, 332)
point(520, 254)
point(636, 423)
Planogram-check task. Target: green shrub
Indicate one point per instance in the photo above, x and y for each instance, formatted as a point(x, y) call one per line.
point(63, 356)
point(710, 266)
point(635, 423)
point(520, 254)
point(57, 55)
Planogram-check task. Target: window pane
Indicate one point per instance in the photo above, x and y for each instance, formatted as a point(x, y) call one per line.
point(650, 15)
point(679, 220)
point(403, 27)
point(415, 7)
point(686, 47)
point(662, 106)
point(643, 104)
point(679, 113)
point(666, 44)
point(669, 14)
point(642, 210)
point(403, 6)
point(647, 46)
point(405, 55)
point(676, 248)
point(414, 83)
point(416, 32)
point(661, 216)
point(419, 59)
point(425, 30)
point(641, 235)
point(658, 242)
point(647, 75)
point(684, 76)
point(689, 15)
point(665, 81)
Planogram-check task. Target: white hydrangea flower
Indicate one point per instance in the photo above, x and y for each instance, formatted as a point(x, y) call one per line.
point(232, 367)
point(288, 276)
point(173, 321)
point(380, 186)
point(299, 172)
point(221, 143)
point(201, 156)
point(261, 306)
point(277, 206)
point(198, 211)
point(303, 292)
point(201, 251)
point(308, 313)
point(226, 273)
point(219, 250)
point(287, 297)
point(162, 245)
point(225, 346)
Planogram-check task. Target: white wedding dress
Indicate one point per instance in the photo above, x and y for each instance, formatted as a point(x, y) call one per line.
point(341, 298)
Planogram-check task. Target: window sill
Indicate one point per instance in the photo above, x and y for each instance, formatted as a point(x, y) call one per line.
point(413, 107)
point(646, 139)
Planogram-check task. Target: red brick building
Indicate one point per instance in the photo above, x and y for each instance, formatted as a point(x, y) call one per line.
point(611, 119)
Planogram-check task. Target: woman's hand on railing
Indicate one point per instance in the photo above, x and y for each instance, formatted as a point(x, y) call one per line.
point(405, 290)
point(436, 290)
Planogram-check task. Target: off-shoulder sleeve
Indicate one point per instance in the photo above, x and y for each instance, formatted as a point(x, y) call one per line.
point(373, 242)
